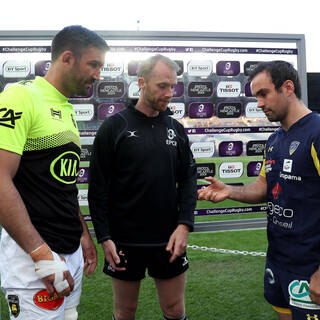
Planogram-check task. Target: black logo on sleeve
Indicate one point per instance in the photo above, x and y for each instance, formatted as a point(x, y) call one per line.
point(8, 117)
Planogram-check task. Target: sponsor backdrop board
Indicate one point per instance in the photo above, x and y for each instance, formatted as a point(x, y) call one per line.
point(212, 98)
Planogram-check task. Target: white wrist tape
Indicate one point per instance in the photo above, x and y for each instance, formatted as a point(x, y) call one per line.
point(45, 268)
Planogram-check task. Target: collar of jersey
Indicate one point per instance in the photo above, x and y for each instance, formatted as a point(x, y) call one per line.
point(49, 87)
point(161, 115)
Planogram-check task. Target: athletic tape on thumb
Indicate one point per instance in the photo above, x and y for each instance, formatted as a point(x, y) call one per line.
point(45, 268)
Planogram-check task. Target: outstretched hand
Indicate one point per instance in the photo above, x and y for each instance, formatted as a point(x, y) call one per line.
point(217, 191)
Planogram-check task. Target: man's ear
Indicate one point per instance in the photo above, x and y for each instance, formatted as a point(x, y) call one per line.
point(288, 86)
point(67, 57)
point(141, 83)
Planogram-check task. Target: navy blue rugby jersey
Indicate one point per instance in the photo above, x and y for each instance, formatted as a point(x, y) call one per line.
point(292, 170)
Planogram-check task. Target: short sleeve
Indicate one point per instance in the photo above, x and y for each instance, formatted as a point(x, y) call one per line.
point(16, 114)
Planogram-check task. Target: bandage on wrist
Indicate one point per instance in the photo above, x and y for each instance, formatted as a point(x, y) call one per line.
point(41, 253)
point(48, 263)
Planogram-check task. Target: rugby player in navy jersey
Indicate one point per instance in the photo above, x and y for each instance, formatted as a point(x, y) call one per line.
point(289, 182)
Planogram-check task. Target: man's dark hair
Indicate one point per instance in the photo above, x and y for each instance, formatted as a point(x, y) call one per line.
point(76, 38)
point(279, 71)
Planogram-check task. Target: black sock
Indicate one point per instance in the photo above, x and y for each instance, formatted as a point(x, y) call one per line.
point(183, 318)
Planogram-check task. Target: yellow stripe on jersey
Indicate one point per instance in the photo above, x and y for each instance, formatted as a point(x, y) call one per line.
point(315, 158)
point(263, 169)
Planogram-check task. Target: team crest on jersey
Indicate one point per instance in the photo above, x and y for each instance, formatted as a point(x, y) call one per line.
point(44, 301)
point(171, 135)
point(300, 295)
point(14, 305)
point(293, 147)
point(8, 117)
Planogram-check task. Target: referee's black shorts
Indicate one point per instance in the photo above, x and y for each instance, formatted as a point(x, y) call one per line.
point(155, 259)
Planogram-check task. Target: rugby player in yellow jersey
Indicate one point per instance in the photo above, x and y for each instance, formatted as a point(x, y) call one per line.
point(45, 243)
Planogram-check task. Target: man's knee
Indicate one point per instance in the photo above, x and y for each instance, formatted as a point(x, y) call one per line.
point(124, 312)
point(71, 314)
point(174, 309)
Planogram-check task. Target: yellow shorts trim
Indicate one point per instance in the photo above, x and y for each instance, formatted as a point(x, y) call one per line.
point(282, 310)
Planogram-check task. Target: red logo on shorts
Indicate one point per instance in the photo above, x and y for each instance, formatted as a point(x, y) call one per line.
point(42, 300)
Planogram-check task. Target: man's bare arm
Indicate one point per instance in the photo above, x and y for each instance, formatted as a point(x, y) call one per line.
point(217, 191)
point(13, 214)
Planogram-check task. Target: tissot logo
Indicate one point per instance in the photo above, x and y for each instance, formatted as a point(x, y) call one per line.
point(16, 69)
point(178, 110)
point(8, 117)
point(112, 69)
point(65, 168)
point(231, 170)
point(229, 89)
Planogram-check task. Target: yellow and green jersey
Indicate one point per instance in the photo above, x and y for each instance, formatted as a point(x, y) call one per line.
point(38, 123)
